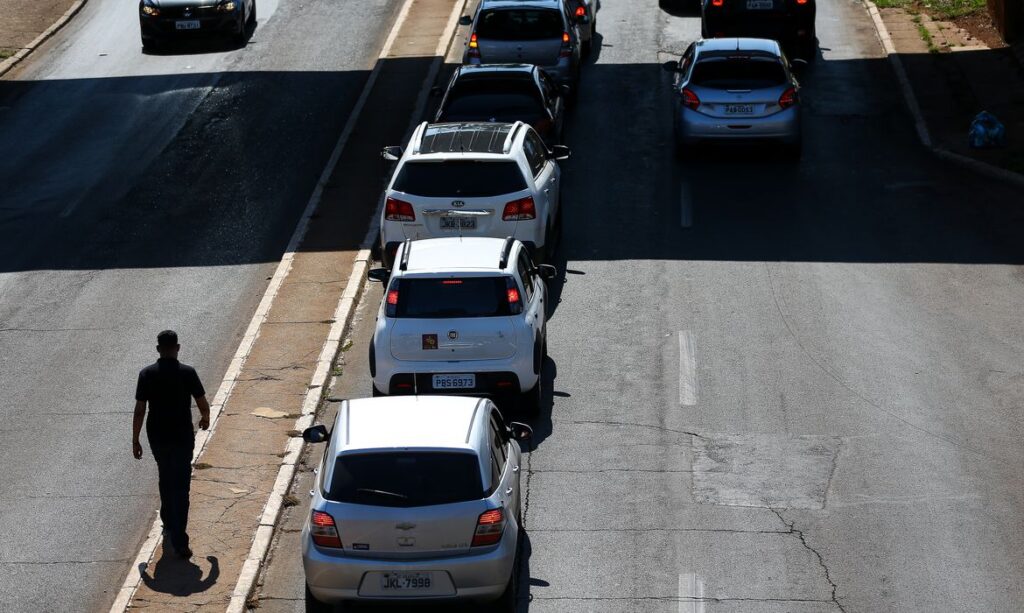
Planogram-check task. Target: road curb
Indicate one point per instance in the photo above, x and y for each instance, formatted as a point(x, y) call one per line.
point(920, 124)
point(11, 62)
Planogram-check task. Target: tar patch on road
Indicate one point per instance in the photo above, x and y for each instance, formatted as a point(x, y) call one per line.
point(758, 470)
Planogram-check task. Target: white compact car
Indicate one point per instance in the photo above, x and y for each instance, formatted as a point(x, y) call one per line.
point(462, 316)
point(416, 498)
point(473, 179)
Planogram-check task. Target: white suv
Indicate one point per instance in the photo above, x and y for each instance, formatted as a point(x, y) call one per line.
point(462, 316)
point(473, 179)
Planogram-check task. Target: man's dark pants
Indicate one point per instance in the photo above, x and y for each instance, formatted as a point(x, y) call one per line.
point(174, 464)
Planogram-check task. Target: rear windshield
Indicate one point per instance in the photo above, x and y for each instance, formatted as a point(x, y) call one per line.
point(504, 101)
point(446, 298)
point(738, 73)
point(406, 479)
point(520, 24)
point(470, 179)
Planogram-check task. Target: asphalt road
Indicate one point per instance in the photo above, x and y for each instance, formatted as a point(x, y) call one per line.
point(776, 387)
point(140, 192)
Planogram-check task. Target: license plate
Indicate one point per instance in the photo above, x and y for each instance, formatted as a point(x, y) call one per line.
point(739, 109)
point(192, 24)
point(402, 582)
point(454, 382)
point(458, 223)
point(760, 5)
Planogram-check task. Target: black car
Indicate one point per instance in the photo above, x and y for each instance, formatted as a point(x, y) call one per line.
point(505, 93)
point(161, 20)
point(791, 22)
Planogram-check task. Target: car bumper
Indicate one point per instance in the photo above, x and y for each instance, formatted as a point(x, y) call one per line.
point(165, 27)
point(393, 233)
point(494, 378)
point(694, 126)
point(483, 576)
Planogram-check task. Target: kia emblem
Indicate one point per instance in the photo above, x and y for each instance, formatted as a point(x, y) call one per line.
point(458, 204)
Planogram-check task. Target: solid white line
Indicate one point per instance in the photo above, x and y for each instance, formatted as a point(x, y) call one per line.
point(687, 370)
point(149, 546)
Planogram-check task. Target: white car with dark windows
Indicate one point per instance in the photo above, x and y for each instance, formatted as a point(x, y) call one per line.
point(473, 179)
point(416, 498)
point(462, 316)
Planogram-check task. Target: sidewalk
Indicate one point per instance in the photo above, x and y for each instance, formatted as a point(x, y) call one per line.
point(22, 21)
point(955, 76)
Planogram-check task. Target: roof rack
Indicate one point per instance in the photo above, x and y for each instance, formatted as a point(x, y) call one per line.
point(417, 136)
point(507, 146)
point(506, 249)
point(406, 248)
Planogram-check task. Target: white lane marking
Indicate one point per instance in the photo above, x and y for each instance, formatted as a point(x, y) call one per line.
point(263, 534)
point(691, 593)
point(687, 370)
point(685, 205)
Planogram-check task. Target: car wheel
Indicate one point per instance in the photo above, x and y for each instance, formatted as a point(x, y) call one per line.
point(252, 17)
point(315, 606)
point(150, 45)
point(377, 393)
point(243, 28)
point(508, 600)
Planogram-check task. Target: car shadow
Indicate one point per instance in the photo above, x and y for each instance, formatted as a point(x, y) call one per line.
point(680, 8)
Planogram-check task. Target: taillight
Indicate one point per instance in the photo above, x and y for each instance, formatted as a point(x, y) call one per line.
point(518, 210)
point(690, 99)
point(323, 530)
point(581, 11)
point(391, 302)
point(489, 527)
point(474, 46)
point(717, 2)
point(801, 1)
point(513, 295)
point(566, 50)
point(515, 303)
point(788, 98)
point(398, 210)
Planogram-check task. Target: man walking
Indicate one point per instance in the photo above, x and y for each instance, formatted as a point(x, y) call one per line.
point(168, 386)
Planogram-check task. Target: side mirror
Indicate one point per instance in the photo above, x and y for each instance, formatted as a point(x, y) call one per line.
point(547, 272)
point(465, 20)
point(565, 89)
point(436, 91)
point(520, 431)
point(670, 66)
point(316, 434)
point(392, 153)
point(560, 152)
point(381, 275)
point(799, 65)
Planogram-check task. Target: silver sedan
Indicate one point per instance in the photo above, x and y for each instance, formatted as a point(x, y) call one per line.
point(735, 89)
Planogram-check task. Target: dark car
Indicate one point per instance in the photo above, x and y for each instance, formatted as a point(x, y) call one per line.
point(585, 13)
point(505, 93)
point(162, 20)
point(791, 22)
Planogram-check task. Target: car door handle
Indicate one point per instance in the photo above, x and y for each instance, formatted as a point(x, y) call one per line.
point(508, 491)
point(515, 469)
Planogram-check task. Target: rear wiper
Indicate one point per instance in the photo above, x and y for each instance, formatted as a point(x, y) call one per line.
point(381, 493)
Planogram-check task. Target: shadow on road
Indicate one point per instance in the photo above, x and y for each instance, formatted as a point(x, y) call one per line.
point(177, 577)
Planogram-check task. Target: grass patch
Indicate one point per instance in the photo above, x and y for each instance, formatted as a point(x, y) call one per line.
point(941, 9)
point(289, 501)
point(926, 36)
point(6, 53)
point(202, 465)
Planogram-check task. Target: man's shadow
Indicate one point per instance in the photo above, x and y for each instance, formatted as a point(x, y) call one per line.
point(178, 577)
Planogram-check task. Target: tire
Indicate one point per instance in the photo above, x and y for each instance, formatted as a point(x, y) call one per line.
point(241, 37)
point(315, 606)
point(376, 392)
point(508, 601)
point(150, 45)
point(252, 16)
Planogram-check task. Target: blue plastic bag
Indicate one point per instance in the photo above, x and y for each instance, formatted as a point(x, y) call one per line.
point(986, 131)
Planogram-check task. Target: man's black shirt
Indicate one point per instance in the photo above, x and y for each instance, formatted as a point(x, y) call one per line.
point(169, 386)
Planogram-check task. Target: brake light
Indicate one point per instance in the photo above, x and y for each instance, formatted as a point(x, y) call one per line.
point(717, 2)
point(690, 99)
point(452, 282)
point(323, 530)
point(474, 46)
point(788, 98)
point(801, 1)
point(565, 38)
point(398, 210)
point(513, 295)
point(489, 527)
point(393, 297)
point(566, 50)
point(518, 210)
point(515, 305)
point(391, 301)
point(581, 11)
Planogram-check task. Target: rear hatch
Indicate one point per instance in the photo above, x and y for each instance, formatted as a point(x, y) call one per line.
point(520, 35)
point(741, 87)
point(452, 319)
point(495, 100)
point(406, 504)
point(461, 197)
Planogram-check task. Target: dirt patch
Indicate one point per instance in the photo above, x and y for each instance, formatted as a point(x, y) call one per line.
point(979, 25)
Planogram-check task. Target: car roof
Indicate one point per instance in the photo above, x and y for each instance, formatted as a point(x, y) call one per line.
point(497, 70)
point(403, 422)
point(731, 45)
point(503, 4)
point(469, 137)
point(455, 253)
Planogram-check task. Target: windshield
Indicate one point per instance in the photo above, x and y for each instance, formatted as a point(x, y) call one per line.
point(738, 73)
point(520, 24)
point(504, 101)
point(467, 178)
point(406, 479)
point(448, 298)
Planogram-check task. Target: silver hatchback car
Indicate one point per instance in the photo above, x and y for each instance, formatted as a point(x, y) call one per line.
point(416, 498)
point(729, 89)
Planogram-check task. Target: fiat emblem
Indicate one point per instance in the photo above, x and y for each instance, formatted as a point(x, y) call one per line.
point(458, 204)
point(188, 11)
point(452, 335)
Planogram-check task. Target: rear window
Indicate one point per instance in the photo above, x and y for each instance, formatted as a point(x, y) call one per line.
point(448, 298)
point(467, 178)
point(738, 73)
point(520, 24)
point(406, 479)
point(504, 101)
